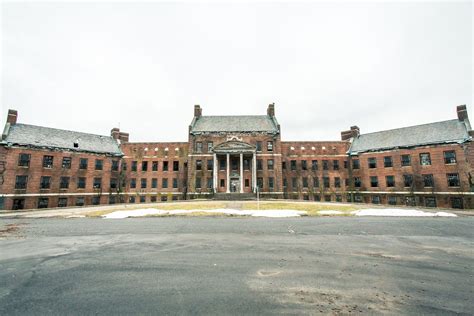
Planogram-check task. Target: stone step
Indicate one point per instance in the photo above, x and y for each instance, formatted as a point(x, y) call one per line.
point(234, 196)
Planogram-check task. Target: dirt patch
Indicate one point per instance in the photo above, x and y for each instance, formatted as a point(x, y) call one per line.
point(11, 230)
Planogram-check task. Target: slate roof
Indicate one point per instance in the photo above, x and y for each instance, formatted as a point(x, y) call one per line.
point(238, 123)
point(45, 137)
point(452, 131)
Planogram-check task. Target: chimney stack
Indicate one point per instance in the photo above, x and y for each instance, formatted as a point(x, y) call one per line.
point(123, 137)
point(271, 109)
point(462, 112)
point(12, 117)
point(115, 133)
point(354, 132)
point(197, 110)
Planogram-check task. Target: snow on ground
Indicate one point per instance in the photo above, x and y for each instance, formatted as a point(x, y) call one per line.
point(398, 212)
point(255, 213)
point(329, 212)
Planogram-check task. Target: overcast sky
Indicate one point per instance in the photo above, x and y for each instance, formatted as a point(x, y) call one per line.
point(92, 66)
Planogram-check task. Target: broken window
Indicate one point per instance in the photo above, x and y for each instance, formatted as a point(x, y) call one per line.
point(209, 146)
point(372, 162)
point(199, 147)
point(198, 164)
point(134, 165)
point(235, 164)
point(222, 164)
point(144, 165)
point(115, 165)
point(260, 183)
point(425, 159)
point(270, 164)
point(406, 160)
point(428, 180)
point(43, 202)
point(304, 165)
point(62, 202)
point(293, 165)
point(133, 183)
point(430, 201)
point(392, 200)
point(113, 183)
point(154, 166)
point(387, 162)
point(97, 183)
point(407, 180)
point(374, 181)
point(375, 199)
point(143, 183)
point(64, 183)
point(335, 164)
point(24, 160)
point(96, 200)
point(81, 183)
point(326, 182)
point(45, 182)
point(270, 146)
point(337, 182)
point(80, 201)
point(209, 183)
point(259, 164)
point(271, 183)
point(449, 157)
point(325, 165)
point(21, 182)
point(259, 146)
point(83, 163)
point(98, 164)
point(175, 165)
point(47, 161)
point(453, 179)
point(165, 165)
point(314, 165)
point(210, 164)
point(355, 164)
point(357, 182)
point(222, 184)
point(456, 202)
point(390, 181)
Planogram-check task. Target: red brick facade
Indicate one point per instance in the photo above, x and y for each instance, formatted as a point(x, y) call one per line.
point(164, 171)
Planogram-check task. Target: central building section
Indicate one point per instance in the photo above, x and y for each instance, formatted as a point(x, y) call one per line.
point(234, 154)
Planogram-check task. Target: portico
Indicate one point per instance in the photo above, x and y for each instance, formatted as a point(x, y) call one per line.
point(237, 160)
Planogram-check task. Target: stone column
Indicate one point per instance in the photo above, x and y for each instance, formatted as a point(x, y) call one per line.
point(241, 173)
point(214, 174)
point(254, 172)
point(228, 174)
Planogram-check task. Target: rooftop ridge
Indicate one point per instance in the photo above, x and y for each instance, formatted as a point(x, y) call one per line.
point(400, 128)
point(60, 129)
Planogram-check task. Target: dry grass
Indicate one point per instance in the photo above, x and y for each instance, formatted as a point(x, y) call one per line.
point(311, 207)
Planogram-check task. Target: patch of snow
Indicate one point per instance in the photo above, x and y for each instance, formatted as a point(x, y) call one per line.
point(255, 213)
point(329, 212)
point(399, 212)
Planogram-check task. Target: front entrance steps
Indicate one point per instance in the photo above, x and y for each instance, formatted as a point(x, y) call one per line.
point(234, 196)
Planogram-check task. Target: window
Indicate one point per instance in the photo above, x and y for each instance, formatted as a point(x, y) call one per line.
point(315, 183)
point(66, 163)
point(247, 183)
point(271, 183)
point(209, 146)
point(293, 165)
point(314, 165)
point(406, 160)
point(449, 157)
point(175, 165)
point(134, 166)
point(83, 163)
point(270, 164)
point(210, 164)
point(115, 165)
point(453, 179)
point(124, 166)
point(358, 198)
point(430, 201)
point(235, 163)
point(304, 165)
point(270, 146)
point(260, 183)
point(97, 183)
point(335, 164)
point(64, 183)
point(144, 165)
point(199, 147)
point(18, 204)
point(317, 197)
point(198, 164)
point(305, 182)
point(325, 165)
point(375, 199)
point(131, 199)
point(153, 199)
point(21, 182)
point(283, 165)
point(456, 202)
point(337, 182)
point(99, 164)
point(222, 164)
point(154, 166)
point(338, 198)
point(45, 182)
point(357, 182)
point(133, 183)
point(80, 201)
point(407, 180)
point(374, 181)
point(294, 183)
point(425, 159)
point(387, 162)
point(175, 183)
point(24, 160)
point(62, 202)
point(372, 162)
point(259, 164)
point(259, 146)
point(164, 183)
point(81, 183)
point(428, 180)
point(390, 181)
point(392, 200)
point(112, 199)
point(209, 183)
point(142, 198)
point(327, 198)
point(164, 198)
point(154, 183)
point(246, 164)
point(47, 161)
point(113, 183)
point(326, 182)
point(43, 202)
point(96, 200)
point(355, 164)
point(165, 165)
point(222, 184)
point(143, 183)
point(346, 164)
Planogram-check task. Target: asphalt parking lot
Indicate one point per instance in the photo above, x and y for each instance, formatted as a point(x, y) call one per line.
point(206, 265)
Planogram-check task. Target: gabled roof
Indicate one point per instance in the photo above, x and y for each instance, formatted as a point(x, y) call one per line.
point(45, 137)
point(233, 146)
point(243, 123)
point(452, 131)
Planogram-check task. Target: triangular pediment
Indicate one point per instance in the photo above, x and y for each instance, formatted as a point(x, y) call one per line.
point(233, 146)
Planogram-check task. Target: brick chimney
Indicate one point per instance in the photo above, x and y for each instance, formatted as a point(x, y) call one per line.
point(12, 117)
point(352, 133)
point(462, 112)
point(271, 109)
point(115, 133)
point(197, 110)
point(123, 137)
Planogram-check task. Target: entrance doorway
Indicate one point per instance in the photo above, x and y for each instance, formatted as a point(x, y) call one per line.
point(234, 185)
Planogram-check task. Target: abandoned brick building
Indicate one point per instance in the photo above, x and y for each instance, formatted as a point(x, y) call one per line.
point(234, 157)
